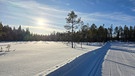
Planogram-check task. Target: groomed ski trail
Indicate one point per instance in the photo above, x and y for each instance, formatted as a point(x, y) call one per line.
point(89, 64)
point(120, 60)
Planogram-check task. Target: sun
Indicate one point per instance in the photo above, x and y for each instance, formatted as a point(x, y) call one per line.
point(40, 21)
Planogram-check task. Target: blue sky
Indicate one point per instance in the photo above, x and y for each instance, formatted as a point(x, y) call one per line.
point(46, 16)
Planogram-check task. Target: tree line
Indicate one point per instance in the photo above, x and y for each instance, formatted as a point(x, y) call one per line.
point(93, 33)
point(84, 33)
point(12, 34)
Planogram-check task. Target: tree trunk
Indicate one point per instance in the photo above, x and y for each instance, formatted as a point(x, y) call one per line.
point(72, 37)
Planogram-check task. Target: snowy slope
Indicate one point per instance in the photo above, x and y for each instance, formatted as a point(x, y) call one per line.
point(35, 58)
point(120, 60)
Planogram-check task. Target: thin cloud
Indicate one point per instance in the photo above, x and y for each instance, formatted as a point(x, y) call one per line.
point(115, 17)
point(30, 12)
point(67, 4)
point(133, 9)
point(42, 30)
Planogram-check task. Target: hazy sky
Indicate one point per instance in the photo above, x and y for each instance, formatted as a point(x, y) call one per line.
point(46, 16)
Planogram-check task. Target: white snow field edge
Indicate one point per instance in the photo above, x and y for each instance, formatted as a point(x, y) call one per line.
point(35, 58)
point(88, 64)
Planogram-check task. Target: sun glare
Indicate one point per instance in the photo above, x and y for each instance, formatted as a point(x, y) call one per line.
point(41, 21)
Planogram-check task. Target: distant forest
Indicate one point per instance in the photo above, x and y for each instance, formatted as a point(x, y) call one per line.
point(88, 33)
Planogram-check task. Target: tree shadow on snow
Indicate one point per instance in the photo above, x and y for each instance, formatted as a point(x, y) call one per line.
point(121, 63)
point(2, 53)
point(123, 50)
point(124, 44)
point(88, 64)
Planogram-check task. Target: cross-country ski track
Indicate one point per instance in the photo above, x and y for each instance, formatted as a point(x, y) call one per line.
point(58, 59)
point(113, 59)
point(120, 60)
point(89, 64)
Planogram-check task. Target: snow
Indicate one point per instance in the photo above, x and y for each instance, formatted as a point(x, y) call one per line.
point(88, 64)
point(113, 59)
point(37, 57)
point(120, 60)
point(40, 58)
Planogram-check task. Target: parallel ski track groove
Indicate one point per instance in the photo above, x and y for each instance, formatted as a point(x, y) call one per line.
point(96, 66)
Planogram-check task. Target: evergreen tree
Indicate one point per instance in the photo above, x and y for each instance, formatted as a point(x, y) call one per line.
point(1, 27)
point(110, 32)
point(101, 34)
point(126, 32)
point(72, 22)
point(131, 33)
point(116, 32)
point(121, 33)
point(93, 32)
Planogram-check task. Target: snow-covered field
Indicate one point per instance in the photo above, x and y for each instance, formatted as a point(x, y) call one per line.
point(37, 58)
point(113, 59)
point(58, 59)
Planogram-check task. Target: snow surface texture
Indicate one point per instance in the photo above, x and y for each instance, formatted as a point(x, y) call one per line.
point(89, 64)
point(37, 58)
point(120, 60)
